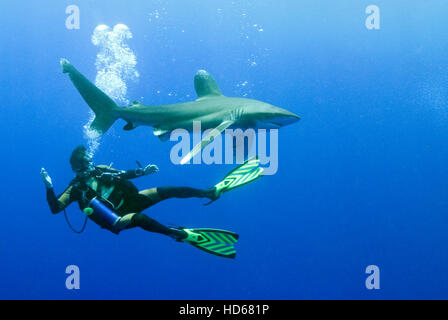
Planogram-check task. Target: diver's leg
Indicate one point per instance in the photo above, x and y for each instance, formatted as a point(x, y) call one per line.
point(152, 195)
point(162, 193)
point(184, 192)
point(141, 220)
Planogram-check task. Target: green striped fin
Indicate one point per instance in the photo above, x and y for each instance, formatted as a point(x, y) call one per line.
point(217, 242)
point(242, 175)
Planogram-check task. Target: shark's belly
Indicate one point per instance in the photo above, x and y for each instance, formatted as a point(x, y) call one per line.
point(207, 114)
point(202, 123)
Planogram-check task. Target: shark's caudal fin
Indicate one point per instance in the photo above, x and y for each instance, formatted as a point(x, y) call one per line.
point(103, 106)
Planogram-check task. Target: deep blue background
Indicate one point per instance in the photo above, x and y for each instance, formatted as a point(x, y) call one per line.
point(362, 178)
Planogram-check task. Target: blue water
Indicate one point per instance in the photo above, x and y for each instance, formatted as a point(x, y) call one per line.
point(362, 177)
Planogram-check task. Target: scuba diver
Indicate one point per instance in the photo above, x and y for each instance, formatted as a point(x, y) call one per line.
point(109, 199)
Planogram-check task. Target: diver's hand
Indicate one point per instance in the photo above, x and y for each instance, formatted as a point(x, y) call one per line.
point(150, 169)
point(46, 178)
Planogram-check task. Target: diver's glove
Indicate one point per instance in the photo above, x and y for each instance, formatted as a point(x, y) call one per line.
point(46, 179)
point(150, 169)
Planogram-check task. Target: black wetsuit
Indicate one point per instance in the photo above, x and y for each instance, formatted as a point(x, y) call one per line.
point(125, 197)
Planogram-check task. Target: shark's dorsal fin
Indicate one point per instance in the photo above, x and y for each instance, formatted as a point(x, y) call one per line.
point(205, 85)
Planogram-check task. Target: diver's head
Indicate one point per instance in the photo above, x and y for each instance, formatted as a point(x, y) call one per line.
point(81, 161)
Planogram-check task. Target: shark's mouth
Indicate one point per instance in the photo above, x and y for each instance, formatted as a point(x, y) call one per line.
point(266, 124)
point(277, 122)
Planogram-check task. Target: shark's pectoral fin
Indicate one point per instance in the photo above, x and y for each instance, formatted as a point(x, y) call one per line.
point(205, 85)
point(129, 126)
point(162, 134)
point(206, 140)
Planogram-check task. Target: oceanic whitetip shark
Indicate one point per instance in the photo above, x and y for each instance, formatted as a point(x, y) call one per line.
point(211, 108)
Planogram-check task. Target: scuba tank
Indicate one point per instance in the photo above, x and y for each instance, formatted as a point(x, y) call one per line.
point(100, 204)
point(97, 206)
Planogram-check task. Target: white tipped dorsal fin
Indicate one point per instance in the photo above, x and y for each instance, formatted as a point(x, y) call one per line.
point(205, 85)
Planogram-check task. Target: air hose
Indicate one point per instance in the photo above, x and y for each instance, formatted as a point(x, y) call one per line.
point(71, 227)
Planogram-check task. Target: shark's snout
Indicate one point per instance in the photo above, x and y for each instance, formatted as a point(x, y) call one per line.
point(288, 117)
point(280, 117)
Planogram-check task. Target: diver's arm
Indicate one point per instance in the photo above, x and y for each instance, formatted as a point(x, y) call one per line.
point(131, 174)
point(149, 169)
point(57, 204)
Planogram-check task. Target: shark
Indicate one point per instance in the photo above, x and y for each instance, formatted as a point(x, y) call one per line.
point(214, 111)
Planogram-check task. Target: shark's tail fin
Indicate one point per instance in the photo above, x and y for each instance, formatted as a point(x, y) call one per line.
point(103, 106)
